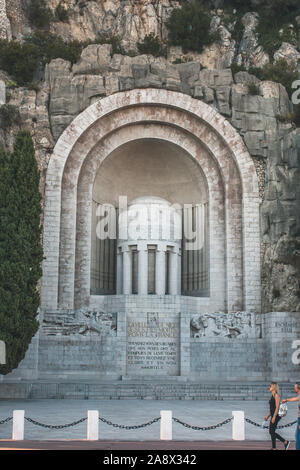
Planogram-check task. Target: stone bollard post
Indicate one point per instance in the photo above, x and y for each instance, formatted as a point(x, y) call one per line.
point(238, 426)
point(166, 425)
point(18, 425)
point(93, 425)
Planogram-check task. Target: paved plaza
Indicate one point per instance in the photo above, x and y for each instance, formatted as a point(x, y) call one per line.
point(136, 412)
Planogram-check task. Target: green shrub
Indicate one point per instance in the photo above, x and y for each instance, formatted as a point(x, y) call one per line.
point(114, 40)
point(61, 14)
point(19, 60)
point(258, 72)
point(20, 249)
point(253, 89)
point(152, 45)
point(39, 14)
point(237, 68)
point(33, 86)
point(189, 27)
point(52, 46)
point(182, 60)
point(9, 114)
point(279, 7)
point(281, 72)
point(274, 24)
point(132, 53)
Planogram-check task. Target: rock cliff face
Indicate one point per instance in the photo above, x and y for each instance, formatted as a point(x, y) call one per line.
point(131, 20)
point(273, 143)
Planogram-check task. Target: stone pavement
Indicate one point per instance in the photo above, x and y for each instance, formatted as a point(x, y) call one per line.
point(138, 446)
point(135, 412)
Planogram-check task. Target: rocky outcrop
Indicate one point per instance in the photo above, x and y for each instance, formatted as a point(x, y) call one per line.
point(97, 74)
point(130, 21)
point(281, 285)
point(289, 53)
point(33, 114)
point(250, 53)
point(5, 29)
point(280, 225)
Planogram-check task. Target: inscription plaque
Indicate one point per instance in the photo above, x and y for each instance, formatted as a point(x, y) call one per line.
point(153, 344)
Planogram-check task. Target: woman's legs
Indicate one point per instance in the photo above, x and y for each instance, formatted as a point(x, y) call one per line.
point(273, 434)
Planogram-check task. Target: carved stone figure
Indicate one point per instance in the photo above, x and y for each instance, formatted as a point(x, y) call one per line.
point(80, 323)
point(229, 325)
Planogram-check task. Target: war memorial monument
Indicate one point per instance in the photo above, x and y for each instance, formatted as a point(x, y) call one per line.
point(170, 229)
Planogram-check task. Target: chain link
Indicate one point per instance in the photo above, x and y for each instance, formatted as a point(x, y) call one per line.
point(121, 426)
point(278, 427)
point(60, 426)
point(203, 428)
point(5, 420)
point(128, 427)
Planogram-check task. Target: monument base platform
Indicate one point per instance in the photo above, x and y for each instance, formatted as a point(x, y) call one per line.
point(139, 390)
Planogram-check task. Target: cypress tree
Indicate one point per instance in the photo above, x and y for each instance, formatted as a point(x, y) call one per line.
point(20, 249)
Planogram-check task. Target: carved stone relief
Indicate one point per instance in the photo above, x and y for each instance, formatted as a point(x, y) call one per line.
point(229, 325)
point(88, 323)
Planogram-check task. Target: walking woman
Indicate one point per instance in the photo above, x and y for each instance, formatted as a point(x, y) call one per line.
point(274, 403)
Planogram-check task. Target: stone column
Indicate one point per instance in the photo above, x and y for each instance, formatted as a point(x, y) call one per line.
point(179, 272)
point(160, 271)
point(119, 272)
point(142, 269)
point(127, 278)
point(173, 274)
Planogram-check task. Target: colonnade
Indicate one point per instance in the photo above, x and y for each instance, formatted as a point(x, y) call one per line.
point(167, 268)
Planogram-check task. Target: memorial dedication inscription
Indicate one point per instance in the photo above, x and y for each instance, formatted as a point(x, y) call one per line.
point(153, 344)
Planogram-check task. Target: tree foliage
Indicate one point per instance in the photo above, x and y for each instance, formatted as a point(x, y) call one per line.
point(39, 14)
point(20, 249)
point(21, 61)
point(152, 45)
point(189, 26)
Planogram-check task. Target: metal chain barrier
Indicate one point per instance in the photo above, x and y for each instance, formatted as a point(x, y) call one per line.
point(128, 427)
point(60, 426)
point(5, 420)
point(278, 427)
point(203, 428)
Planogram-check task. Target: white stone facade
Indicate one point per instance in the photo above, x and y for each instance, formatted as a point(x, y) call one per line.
point(207, 137)
point(136, 334)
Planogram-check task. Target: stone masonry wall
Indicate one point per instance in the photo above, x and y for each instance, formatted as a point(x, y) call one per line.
point(272, 141)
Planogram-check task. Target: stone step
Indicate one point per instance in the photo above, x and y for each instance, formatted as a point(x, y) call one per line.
point(156, 391)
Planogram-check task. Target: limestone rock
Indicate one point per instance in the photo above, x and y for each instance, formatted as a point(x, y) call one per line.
point(131, 21)
point(245, 78)
point(249, 52)
point(94, 59)
point(282, 274)
point(289, 53)
point(5, 28)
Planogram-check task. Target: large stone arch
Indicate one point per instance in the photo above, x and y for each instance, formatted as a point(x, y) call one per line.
point(189, 123)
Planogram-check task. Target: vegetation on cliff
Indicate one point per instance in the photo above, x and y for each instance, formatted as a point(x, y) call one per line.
point(20, 249)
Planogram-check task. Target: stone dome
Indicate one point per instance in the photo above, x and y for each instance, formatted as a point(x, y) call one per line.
point(152, 219)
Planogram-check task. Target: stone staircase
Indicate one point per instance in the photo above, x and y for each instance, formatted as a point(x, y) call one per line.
point(140, 390)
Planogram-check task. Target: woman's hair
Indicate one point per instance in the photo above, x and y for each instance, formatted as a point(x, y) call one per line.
point(275, 388)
